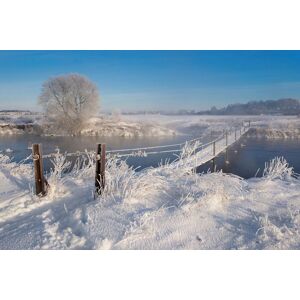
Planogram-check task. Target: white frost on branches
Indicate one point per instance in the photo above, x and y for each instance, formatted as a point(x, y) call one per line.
point(69, 101)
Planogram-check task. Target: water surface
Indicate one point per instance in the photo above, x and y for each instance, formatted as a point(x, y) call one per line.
point(247, 156)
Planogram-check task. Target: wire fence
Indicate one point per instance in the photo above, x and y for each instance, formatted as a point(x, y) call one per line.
point(192, 153)
point(164, 149)
point(224, 140)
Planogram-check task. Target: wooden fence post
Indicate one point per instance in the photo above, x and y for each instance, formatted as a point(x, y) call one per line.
point(249, 123)
point(235, 134)
point(100, 168)
point(40, 186)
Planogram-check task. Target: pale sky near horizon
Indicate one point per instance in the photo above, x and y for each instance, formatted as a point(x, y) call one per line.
point(155, 80)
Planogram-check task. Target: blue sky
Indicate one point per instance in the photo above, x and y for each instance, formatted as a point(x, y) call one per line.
point(166, 80)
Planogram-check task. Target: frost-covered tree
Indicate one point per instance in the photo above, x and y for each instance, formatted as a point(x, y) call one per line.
point(69, 101)
point(116, 115)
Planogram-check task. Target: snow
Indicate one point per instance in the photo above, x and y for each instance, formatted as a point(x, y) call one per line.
point(107, 126)
point(276, 128)
point(159, 208)
point(169, 207)
point(153, 125)
point(12, 123)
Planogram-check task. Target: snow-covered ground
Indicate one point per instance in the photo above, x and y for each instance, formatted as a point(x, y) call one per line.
point(112, 126)
point(160, 208)
point(105, 125)
point(193, 124)
point(169, 207)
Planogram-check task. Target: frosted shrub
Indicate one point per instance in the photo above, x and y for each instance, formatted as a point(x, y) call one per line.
point(84, 166)
point(189, 149)
point(4, 159)
point(55, 179)
point(118, 177)
point(279, 232)
point(278, 168)
point(123, 183)
point(60, 164)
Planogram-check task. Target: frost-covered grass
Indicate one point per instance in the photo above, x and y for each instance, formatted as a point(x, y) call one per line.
point(103, 125)
point(168, 207)
point(285, 126)
point(279, 127)
point(112, 126)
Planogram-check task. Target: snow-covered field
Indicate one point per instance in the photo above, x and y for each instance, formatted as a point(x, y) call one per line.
point(169, 207)
point(285, 126)
point(154, 125)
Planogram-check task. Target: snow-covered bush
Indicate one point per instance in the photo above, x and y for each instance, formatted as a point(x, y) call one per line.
point(279, 232)
point(84, 166)
point(278, 168)
point(118, 178)
point(4, 159)
point(56, 179)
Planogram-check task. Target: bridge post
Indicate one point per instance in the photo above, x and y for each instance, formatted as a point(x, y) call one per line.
point(214, 158)
point(226, 156)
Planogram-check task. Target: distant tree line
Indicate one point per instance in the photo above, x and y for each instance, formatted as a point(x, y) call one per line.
point(269, 107)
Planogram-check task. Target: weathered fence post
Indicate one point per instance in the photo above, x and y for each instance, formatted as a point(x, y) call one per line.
point(249, 123)
point(100, 168)
point(40, 184)
point(235, 134)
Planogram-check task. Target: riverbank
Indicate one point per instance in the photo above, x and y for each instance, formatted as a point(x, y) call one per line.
point(104, 125)
point(155, 125)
